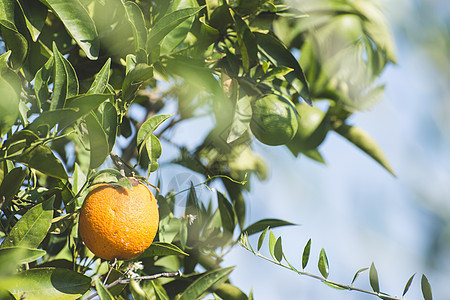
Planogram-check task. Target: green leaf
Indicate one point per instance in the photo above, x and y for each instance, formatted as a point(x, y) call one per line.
point(49, 283)
point(78, 23)
point(272, 242)
point(194, 72)
point(133, 81)
point(323, 264)
point(242, 118)
point(179, 33)
point(306, 253)
point(162, 249)
point(205, 282)
point(21, 255)
point(101, 79)
point(110, 176)
point(278, 250)
point(136, 19)
point(65, 80)
point(98, 142)
point(279, 55)
point(426, 288)
point(246, 7)
point(153, 150)
point(160, 292)
point(373, 278)
point(11, 184)
point(103, 292)
point(75, 108)
point(41, 82)
point(32, 228)
point(41, 158)
point(167, 23)
point(107, 115)
point(15, 42)
point(9, 106)
point(366, 143)
point(35, 14)
point(261, 237)
point(148, 127)
point(263, 224)
point(227, 214)
point(408, 284)
point(229, 291)
point(358, 273)
point(247, 43)
point(334, 286)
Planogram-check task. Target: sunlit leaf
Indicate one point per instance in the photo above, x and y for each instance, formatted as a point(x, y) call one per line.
point(205, 282)
point(65, 80)
point(278, 250)
point(373, 278)
point(306, 253)
point(103, 292)
point(133, 81)
point(227, 214)
point(426, 288)
point(261, 237)
point(323, 264)
point(162, 249)
point(148, 127)
point(32, 228)
point(49, 283)
point(279, 55)
point(272, 242)
point(110, 176)
point(11, 184)
point(179, 33)
point(247, 43)
point(137, 21)
point(358, 273)
point(262, 224)
point(15, 42)
point(242, 118)
point(41, 82)
point(78, 23)
point(41, 158)
point(9, 106)
point(35, 14)
point(408, 284)
point(101, 79)
point(229, 291)
point(167, 23)
point(98, 142)
point(21, 255)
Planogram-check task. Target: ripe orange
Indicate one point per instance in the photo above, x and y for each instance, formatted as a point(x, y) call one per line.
point(116, 222)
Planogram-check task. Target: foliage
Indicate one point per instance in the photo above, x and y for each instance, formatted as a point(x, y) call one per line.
point(72, 74)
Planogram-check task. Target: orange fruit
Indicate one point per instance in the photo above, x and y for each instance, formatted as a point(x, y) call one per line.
point(274, 120)
point(119, 223)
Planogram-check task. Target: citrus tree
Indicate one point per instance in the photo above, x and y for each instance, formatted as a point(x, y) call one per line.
point(73, 74)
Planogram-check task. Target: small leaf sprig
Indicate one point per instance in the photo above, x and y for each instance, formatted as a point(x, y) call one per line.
point(277, 254)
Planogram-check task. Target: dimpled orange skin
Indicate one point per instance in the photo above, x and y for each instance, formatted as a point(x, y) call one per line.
point(118, 223)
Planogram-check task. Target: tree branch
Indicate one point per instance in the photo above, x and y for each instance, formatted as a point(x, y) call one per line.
point(123, 280)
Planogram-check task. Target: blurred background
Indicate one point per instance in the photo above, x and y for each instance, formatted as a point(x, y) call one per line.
point(352, 207)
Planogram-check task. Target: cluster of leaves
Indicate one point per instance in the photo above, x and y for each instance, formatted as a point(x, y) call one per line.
point(278, 256)
point(71, 73)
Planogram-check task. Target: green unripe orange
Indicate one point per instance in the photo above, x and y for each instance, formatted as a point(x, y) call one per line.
point(312, 129)
point(274, 120)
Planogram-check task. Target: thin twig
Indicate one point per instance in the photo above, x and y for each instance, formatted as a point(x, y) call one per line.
point(324, 280)
point(123, 280)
